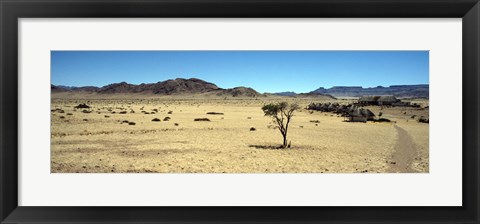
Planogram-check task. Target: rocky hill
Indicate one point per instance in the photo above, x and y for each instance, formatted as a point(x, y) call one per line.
point(177, 86)
point(168, 87)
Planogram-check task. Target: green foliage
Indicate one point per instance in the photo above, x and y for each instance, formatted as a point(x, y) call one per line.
point(282, 114)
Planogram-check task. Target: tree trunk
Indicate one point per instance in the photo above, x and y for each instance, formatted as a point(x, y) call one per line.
point(284, 141)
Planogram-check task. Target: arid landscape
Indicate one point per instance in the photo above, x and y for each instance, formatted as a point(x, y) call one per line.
point(123, 133)
point(235, 111)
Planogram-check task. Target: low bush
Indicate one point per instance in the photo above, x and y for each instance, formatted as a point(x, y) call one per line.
point(215, 113)
point(423, 120)
point(201, 119)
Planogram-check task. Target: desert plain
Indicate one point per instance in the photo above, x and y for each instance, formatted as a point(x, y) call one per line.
point(135, 136)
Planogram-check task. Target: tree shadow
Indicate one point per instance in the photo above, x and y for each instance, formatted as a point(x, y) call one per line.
point(267, 146)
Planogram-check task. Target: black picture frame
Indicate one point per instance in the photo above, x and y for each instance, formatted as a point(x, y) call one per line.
point(12, 10)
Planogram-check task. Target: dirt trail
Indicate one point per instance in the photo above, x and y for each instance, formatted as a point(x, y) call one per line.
point(405, 152)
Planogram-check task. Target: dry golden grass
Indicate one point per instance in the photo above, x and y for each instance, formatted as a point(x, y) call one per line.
point(225, 144)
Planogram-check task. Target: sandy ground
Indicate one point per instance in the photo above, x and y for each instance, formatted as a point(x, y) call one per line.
point(404, 153)
point(99, 142)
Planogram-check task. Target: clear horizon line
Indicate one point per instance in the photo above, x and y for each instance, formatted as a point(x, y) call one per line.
point(265, 92)
point(364, 87)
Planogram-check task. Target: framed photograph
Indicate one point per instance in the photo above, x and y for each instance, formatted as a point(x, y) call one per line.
point(239, 111)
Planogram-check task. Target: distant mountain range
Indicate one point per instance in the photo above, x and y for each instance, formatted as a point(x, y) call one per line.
point(395, 90)
point(195, 86)
point(286, 94)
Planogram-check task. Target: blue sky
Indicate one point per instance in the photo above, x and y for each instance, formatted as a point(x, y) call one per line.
point(265, 71)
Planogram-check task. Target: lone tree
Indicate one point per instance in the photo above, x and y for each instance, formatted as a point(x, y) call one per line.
point(282, 114)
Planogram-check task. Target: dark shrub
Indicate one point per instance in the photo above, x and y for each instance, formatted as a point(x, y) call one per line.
point(82, 105)
point(215, 113)
point(131, 123)
point(166, 119)
point(423, 120)
point(201, 119)
point(155, 119)
point(252, 129)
